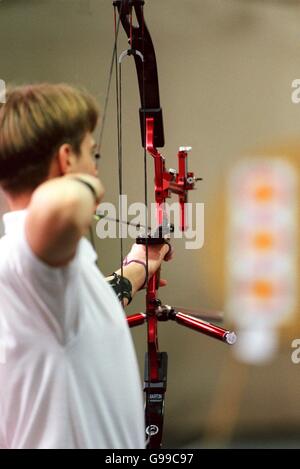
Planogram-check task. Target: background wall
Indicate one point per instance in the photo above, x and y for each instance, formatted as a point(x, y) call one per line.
point(225, 71)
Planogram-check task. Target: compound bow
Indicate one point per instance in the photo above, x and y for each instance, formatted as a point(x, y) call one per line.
point(167, 182)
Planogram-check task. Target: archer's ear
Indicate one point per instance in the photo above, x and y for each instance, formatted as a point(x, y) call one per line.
point(66, 159)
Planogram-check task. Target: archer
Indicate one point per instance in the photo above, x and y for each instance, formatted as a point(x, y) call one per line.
point(70, 376)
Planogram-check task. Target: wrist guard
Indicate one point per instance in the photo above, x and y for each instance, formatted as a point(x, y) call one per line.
point(122, 287)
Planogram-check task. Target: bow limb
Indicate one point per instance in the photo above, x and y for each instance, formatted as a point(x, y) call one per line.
point(140, 41)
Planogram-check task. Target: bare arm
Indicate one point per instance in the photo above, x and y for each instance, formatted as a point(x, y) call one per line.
point(59, 214)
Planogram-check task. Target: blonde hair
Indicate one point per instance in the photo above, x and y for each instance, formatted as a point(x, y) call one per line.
point(34, 122)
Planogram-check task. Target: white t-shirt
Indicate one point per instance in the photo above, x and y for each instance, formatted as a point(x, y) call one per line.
point(68, 371)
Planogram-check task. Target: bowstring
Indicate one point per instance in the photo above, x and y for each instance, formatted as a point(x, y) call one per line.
point(118, 68)
point(113, 61)
point(109, 80)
